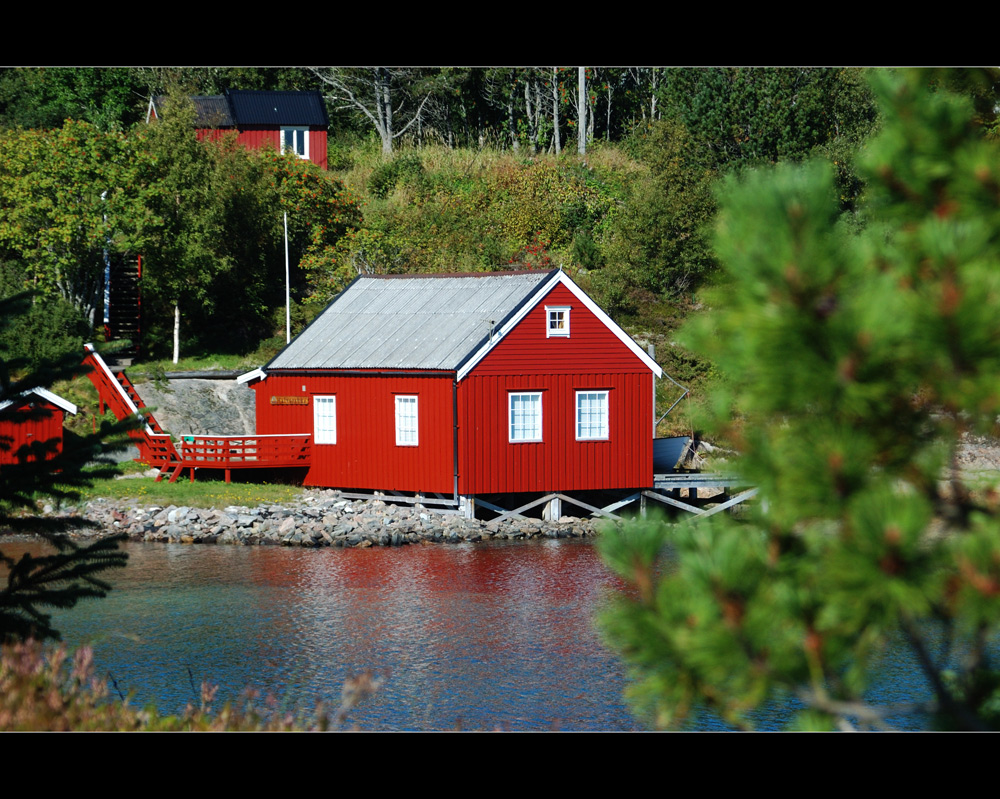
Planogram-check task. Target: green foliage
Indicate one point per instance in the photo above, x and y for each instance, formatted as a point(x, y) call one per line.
point(48, 331)
point(467, 211)
point(110, 98)
point(219, 252)
point(323, 216)
point(405, 167)
point(856, 361)
point(658, 240)
point(755, 115)
point(68, 197)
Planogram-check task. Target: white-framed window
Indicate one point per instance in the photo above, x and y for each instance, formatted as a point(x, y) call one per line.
point(406, 420)
point(295, 140)
point(325, 420)
point(556, 321)
point(525, 416)
point(591, 415)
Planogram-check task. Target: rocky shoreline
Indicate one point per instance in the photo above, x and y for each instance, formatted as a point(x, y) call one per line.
point(322, 518)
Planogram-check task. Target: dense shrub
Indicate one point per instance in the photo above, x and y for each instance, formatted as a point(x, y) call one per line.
point(54, 690)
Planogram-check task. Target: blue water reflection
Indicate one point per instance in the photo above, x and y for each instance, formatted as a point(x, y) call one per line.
point(497, 636)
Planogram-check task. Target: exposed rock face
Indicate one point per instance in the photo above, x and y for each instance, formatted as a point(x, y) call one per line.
point(201, 407)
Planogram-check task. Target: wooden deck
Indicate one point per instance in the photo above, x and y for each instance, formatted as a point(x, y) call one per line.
point(667, 490)
point(157, 449)
point(240, 452)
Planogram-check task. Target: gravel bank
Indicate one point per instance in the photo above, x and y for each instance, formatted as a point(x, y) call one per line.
point(321, 519)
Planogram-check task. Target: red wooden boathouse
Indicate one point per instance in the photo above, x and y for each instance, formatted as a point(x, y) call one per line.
point(31, 426)
point(288, 121)
point(465, 385)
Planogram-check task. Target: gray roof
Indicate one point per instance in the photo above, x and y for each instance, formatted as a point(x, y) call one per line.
point(409, 322)
point(212, 111)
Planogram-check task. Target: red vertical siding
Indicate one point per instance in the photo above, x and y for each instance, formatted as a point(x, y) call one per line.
point(212, 134)
point(20, 431)
point(491, 464)
point(259, 139)
point(590, 347)
point(365, 455)
point(592, 357)
point(317, 148)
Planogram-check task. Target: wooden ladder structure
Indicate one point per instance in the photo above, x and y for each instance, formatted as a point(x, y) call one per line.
point(116, 392)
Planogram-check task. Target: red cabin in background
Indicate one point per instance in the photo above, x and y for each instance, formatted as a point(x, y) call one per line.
point(478, 384)
point(31, 426)
point(286, 121)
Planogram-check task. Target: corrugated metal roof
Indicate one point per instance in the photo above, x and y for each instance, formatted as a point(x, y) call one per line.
point(277, 108)
point(407, 322)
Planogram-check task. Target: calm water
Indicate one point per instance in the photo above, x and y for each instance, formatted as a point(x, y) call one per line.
point(495, 636)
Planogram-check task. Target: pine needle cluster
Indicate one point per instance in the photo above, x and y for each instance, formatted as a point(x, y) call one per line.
point(857, 356)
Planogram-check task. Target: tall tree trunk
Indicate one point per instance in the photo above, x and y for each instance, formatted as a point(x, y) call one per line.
point(177, 332)
point(581, 107)
point(532, 113)
point(556, 143)
point(607, 129)
point(515, 145)
point(591, 116)
point(383, 106)
point(652, 95)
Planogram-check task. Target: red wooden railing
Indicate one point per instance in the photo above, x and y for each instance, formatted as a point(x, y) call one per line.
point(117, 393)
point(196, 451)
point(243, 452)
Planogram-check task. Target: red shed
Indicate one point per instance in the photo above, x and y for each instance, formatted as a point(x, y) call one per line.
point(287, 121)
point(487, 383)
point(31, 426)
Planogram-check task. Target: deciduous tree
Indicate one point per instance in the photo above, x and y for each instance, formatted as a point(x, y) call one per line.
point(69, 198)
point(381, 94)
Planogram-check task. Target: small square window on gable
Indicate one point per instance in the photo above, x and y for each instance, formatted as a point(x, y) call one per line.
point(556, 321)
point(295, 140)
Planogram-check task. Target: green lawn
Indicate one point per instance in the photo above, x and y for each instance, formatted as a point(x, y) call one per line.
point(208, 491)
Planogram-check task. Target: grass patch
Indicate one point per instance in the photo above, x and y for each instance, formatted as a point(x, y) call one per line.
point(209, 491)
point(193, 363)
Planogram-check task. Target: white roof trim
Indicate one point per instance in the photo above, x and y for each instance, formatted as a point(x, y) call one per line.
point(256, 374)
point(45, 394)
point(624, 337)
point(542, 292)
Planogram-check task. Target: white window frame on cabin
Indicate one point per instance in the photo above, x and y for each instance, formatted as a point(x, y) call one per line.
point(524, 417)
point(592, 416)
point(325, 419)
point(300, 141)
point(557, 321)
point(407, 420)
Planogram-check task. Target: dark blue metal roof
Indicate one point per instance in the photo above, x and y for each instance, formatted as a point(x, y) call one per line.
point(277, 108)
